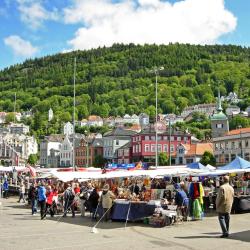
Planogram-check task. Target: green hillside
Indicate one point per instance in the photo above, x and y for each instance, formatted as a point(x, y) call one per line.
point(117, 80)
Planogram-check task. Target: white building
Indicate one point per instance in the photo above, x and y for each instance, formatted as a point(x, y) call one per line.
point(232, 98)
point(50, 115)
point(234, 143)
point(68, 129)
point(18, 128)
point(144, 120)
point(23, 144)
point(208, 109)
point(46, 145)
point(189, 153)
point(232, 110)
point(66, 153)
point(94, 120)
point(2, 117)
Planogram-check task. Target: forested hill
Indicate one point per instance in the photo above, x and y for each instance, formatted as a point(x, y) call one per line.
point(118, 80)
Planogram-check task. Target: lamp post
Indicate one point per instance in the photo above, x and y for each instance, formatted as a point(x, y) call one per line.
point(87, 149)
point(241, 149)
point(156, 71)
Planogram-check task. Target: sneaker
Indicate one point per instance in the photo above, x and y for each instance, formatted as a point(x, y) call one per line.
point(224, 236)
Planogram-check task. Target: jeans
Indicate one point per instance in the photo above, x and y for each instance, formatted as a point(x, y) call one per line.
point(21, 197)
point(33, 206)
point(69, 204)
point(224, 219)
point(107, 212)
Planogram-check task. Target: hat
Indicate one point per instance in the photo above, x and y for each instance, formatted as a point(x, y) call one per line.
point(106, 187)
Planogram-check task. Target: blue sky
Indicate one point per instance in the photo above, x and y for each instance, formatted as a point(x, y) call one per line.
point(35, 28)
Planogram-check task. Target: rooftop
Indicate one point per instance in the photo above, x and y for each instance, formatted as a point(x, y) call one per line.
point(238, 131)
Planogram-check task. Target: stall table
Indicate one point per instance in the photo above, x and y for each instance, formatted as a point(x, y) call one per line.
point(241, 204)
point(138, 210)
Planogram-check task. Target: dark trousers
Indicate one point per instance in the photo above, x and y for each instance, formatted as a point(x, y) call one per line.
point(224, 219)
point(42, 208)
point(107, 212)
point(6, 193)
point(69, 204)
point(49, 208)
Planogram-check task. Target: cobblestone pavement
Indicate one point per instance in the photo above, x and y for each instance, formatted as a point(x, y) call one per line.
point(20, 230)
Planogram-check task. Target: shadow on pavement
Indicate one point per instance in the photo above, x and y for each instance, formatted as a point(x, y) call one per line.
point(242, 236)
point(87, 222)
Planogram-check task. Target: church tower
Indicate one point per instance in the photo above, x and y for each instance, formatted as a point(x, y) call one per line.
point(219, 121)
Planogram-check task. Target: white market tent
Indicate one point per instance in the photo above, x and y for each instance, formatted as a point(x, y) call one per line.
point(10, 169)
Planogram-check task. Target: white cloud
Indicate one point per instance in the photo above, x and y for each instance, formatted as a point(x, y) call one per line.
point(34, 14)
point(148, 21)
point(20, 46)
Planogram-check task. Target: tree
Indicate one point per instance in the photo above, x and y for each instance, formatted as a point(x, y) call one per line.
point(99, 161)
point(208, 158)
point(10, 117)
point(32, 160)
point(163, 159)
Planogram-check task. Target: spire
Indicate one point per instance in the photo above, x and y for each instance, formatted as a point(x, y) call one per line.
point(219, 108)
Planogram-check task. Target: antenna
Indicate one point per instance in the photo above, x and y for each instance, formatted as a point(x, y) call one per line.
point(74, 80)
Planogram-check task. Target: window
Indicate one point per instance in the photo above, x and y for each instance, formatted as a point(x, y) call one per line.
point(181, 150)
point(246, 143)
point(172, 148)
point(139, 147)
point(189, 161)
point(226, 158)
point(165, 148)
point(219, 125)
point(233, 145)
point(226, 145)
point(152, 147)
point(153, 138)
point(159, 148)
point(146, 138)
point(117, 142)
point(165, 138)
point(172, 138)
point(146, 148)
point(233, 157)
point(134, 149)
point(178, 138)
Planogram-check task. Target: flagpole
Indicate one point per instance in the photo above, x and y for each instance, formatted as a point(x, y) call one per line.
point(74, 114)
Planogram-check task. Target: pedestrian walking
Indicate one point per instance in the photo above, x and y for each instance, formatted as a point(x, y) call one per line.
point(224, 202)
point(69, 196)
point(22, 192)
point(6, 189)
point(42, 199)
point(32, 195)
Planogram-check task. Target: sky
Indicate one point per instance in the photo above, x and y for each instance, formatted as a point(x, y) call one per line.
point(36, 28)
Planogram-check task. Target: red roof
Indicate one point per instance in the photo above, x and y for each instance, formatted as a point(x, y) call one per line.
point(239, 131)
point(198, 149)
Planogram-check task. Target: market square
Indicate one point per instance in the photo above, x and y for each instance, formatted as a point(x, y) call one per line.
point(20, 230)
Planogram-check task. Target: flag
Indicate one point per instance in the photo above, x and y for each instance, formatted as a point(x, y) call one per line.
point(32, 171)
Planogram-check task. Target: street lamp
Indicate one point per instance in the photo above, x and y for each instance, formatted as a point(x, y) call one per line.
point(87, 149)
point(241, 149)
point(156, 71)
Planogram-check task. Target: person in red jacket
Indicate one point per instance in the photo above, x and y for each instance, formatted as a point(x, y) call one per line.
point(49, 195)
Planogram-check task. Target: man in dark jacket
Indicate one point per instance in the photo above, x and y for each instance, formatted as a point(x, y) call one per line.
point(32, 195)
point(93, 202)
point(69, 197)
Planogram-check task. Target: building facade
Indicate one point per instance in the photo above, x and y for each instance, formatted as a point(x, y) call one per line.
point(144, 147)
point(232, 144)
point(46, 145)
point(124, 154)
point(189, 153)
point(113, 140)
point(68, 129)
